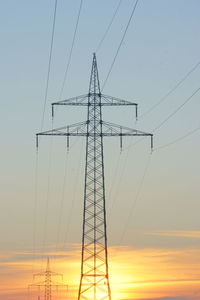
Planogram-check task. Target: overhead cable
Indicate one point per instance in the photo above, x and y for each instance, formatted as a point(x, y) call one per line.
point(73, 199)
point(60, 96)
point(162, 99)
point(173, 142)
point(120, 44)
point(62, 201)
point(49, 63)
point(35, 210)
point(71, 50)
point(131, 210)
point(148, 162)
point(60, 215)
point(178, 139)
point(176, 110)
point(109, 26)
point(43, 113)
point(44, 243)
point(119, 181)
point(166, 119)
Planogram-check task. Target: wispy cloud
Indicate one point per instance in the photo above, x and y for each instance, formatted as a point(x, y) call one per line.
point(134, 273)
point(194, 234)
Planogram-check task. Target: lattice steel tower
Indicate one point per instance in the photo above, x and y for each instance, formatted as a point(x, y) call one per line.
point(48, 283)
point(94, 281)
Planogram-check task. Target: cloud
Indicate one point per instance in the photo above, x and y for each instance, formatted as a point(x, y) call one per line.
point(194, 234)
point(173, 298)
point(168, 298)
point(146, 273)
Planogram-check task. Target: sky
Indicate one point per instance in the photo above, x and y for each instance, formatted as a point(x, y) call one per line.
point(152, 199)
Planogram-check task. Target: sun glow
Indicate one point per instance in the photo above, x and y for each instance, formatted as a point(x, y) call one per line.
point(134, 273)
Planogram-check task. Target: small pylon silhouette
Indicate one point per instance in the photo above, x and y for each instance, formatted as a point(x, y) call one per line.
point(48, 283)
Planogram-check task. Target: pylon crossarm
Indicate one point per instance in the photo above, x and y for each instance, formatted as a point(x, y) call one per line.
point(110, 129)
point(76, 101)
point(44, 284)
point(113, 101)
point(54, 283)
point(56, 274)
point(119, 129)
point(37, 275)
point(106, 100)
point(77, 129)
point(37, 284)
point(47, 272)
point(52, 274)
point(80, 130)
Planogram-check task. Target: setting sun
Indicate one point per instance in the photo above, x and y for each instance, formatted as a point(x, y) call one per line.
point(134, 273)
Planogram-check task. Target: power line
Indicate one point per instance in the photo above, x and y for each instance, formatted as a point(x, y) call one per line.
point(109, 26)
point(73, 198)
point(47, 199)
point(62, 88)
point(35, 210)
point(120, 44)
point(169, 117)
point(116, 171)
point(162, 99)
point(118, 184)
point(62, 200)
point(176, 110)
point(178, 139)
point(173, 142)
point(60, 96)
point(131, 210)
point(120, 180)
point(158, 148)
point(153, 107)
point(49, 63)
point(144, 176)
point(71, 50)
point(43, 113)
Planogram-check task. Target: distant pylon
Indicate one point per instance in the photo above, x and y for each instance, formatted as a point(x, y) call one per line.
point(48, 283)
point(94, 281)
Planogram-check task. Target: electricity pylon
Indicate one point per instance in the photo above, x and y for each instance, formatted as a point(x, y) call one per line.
point(94, 281)
point(48, 283)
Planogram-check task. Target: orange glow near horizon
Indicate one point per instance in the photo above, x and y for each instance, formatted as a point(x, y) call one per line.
point(134, 273)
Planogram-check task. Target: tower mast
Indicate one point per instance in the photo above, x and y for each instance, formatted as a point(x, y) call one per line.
point(48, 283)
point(94, 265)
point(94, 281)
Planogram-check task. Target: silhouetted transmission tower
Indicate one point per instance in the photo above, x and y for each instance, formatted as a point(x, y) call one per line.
point(94, 281)
point(48, 283)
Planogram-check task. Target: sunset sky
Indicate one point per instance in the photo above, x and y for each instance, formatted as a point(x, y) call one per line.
point(152, 199)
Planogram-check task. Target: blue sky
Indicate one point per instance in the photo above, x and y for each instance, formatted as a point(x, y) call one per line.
point(160, 47)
